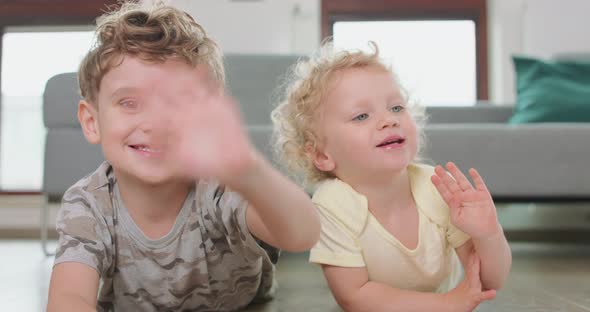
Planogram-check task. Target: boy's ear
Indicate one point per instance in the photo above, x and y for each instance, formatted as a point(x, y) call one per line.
point(321, 160)
point(88, 118)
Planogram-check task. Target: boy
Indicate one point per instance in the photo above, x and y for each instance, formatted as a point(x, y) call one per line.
point(149, 225)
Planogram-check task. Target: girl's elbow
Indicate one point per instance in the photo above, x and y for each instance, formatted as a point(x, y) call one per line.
point(496, 284)
point(351, 302)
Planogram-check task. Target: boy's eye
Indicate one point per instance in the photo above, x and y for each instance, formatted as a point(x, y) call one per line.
point(361, 117)
point(397, 108)
point(128, 104)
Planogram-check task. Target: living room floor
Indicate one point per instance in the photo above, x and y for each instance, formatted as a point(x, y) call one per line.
point(545, 276)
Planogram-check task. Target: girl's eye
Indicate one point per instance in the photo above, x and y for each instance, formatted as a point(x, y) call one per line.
point(361, 117)
point(397, 108)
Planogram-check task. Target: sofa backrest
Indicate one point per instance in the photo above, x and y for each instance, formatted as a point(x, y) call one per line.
point(469, 114)
point(541, 161)
point(68, 157)
point(257, 82)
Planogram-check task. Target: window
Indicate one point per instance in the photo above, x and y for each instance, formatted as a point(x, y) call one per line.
point(20, 169)
point(432, 70)
point(437, 48)
point(24, 72)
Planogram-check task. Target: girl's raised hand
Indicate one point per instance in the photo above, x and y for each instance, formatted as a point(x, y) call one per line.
point(472, 208)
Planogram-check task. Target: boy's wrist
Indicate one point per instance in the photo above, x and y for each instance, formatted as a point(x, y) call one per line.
point(248, 174)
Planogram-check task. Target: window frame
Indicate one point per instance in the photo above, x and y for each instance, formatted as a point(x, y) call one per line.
point(333, 11)
point(46, 13)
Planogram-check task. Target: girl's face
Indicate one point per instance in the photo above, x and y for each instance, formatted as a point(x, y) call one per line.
point(364, 126)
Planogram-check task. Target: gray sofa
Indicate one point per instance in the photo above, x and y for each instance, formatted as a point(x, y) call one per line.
point(531, 162)
point(519, 162)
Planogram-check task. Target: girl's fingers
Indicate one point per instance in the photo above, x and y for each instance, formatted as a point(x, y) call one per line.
point(488, 295)
point(459, 176)
point(446, 194)
point(478, 180)
point(447, 179)
point(474, 278)
point(441, 187)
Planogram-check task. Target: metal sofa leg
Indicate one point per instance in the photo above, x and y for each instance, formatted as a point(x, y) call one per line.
point(44, 228)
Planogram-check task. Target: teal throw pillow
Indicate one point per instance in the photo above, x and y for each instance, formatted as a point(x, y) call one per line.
point(551, 91)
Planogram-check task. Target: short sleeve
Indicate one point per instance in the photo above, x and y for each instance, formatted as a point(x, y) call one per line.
point(223, 213)
point(343, 215)
point(456, 237)
point(83, 233)
point(228, 209)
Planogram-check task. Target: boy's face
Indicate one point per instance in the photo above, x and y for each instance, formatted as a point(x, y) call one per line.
point(133, 119)
point(365, 128)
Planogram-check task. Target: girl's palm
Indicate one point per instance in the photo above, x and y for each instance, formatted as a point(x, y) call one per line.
point(472, 208)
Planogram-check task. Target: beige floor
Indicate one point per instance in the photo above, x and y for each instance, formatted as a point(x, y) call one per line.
point(545, 277)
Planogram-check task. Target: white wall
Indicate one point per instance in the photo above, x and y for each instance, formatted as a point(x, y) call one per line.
point(540, 28)
point(258, 26)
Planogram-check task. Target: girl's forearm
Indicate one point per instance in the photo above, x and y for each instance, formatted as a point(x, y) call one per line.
point(375, 296)
point(496, 259)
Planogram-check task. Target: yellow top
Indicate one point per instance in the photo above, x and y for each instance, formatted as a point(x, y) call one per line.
point(352, 237)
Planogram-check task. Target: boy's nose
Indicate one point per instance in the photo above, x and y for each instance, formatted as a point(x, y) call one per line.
point(155, 118)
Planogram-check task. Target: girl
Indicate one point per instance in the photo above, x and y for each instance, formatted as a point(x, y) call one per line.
point(394, 232)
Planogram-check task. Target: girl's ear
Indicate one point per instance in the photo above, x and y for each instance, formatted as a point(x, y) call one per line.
point(322, 161)
point(88, 118)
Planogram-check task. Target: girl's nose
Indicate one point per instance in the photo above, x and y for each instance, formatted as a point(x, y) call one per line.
point(388, 120)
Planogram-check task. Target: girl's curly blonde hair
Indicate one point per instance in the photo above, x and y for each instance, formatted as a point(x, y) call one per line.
point(295, 115)
point(154, 34)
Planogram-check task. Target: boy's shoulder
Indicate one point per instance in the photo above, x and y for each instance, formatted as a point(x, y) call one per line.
point(95, 180)
point(93, 191)
point(85, 221)
point(212, 194)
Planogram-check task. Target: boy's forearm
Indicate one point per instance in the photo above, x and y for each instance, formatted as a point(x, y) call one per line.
point(496, 259)
point(375, 296)
point(284, 207)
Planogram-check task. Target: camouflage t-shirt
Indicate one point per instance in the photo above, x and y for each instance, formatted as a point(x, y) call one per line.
point(209, 261)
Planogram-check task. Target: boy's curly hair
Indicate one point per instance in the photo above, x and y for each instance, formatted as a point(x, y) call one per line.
point(154, 34)
point(294, 117)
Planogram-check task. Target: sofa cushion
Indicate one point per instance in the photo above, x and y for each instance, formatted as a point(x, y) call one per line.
point(551, 91)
